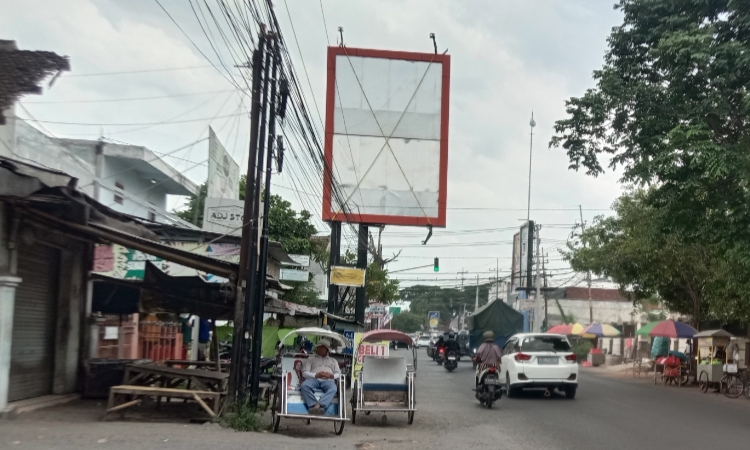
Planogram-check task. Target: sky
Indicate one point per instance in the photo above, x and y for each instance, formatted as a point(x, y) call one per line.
point(508, 59)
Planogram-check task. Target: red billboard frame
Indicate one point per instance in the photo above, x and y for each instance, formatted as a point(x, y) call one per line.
point(354, 217)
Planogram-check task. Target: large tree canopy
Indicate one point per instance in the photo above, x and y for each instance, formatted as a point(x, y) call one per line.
point(449, 302)
point(670, 107)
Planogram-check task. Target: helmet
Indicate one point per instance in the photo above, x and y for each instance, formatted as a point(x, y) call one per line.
point(489, 336)
point(451, 336)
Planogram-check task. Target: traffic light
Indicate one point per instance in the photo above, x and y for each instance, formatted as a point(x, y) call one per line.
point(436, 267)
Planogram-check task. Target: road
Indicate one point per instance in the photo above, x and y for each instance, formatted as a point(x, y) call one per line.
point(611, 413)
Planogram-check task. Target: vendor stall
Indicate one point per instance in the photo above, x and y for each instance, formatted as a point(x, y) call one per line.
point(712, 357)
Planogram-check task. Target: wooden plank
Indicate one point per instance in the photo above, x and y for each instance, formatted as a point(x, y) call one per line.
point(204, 405)
point(154, 391)
point(215, 339)
point(124, 405)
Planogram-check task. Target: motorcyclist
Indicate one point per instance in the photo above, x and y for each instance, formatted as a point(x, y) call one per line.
point(452, 344)
point(488, 354)
point(439, 344)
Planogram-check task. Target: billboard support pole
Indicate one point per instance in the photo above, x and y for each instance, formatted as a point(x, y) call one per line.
point(333, 290)
point(361, 297)
point(239, 309)
point(538, 296)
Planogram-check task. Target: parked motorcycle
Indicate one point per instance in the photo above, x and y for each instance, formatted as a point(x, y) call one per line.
point(451, 360)
point(489, 388)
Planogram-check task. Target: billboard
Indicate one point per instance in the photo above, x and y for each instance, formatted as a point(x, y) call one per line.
point(223, 171)
point(222, 215)
point(386, 134)
point(527, 254)
point(434, 317)
point(515, 267)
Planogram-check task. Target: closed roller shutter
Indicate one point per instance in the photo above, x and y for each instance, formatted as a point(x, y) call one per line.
point(33, 344)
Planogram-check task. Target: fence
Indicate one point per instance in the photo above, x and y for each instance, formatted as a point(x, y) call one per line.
point(159, 341)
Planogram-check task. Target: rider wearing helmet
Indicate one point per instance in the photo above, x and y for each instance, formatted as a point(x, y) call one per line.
point(488, 354)
point(452, 344)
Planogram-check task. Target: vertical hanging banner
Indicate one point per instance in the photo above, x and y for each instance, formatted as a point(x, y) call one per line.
point(223, 171)
point(527, 254)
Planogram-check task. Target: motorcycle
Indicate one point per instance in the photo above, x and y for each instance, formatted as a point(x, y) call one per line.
point(489, 388)
point(439, 355)
point(451, 361)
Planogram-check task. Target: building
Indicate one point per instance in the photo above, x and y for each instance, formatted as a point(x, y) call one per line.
point(129, 179)
point(606, 306)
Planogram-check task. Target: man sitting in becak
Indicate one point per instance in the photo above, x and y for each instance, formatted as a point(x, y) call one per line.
point(320, 371)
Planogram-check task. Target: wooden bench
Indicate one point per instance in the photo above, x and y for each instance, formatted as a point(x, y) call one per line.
point(133, 392)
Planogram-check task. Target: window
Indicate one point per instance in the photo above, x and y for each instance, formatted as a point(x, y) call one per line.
point(545, 344)
point(509, 347)
point(118, 198)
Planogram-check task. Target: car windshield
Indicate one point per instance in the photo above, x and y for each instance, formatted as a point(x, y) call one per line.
point(545, 344)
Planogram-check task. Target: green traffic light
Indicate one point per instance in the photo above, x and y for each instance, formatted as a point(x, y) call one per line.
point(436, 267)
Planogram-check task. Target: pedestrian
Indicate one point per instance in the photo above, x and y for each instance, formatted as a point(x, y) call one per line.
point(320, 371)
point(187, 333)
point(204, 335)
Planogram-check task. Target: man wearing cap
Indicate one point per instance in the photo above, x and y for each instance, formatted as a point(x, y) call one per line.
point(319, 371)
point(488, 354)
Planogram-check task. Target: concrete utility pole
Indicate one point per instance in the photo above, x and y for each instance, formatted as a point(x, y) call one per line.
point(476, 302)
point(538, 297)
point(588, 275)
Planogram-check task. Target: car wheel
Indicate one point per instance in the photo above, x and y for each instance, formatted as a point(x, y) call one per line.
point(509, 391)
point(570, 392)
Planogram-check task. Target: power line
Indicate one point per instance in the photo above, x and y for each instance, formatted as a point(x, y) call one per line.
point(131, 99)
point(132, 71)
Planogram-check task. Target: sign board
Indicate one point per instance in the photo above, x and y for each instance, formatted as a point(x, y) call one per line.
point(434, 317)
point(223, 171)
point(347, 276)
point(370, 349)
point(294, 275)
point(222, 215)
point(386, 133)
point(394, 310)
point(299, 260)
point(349, 336)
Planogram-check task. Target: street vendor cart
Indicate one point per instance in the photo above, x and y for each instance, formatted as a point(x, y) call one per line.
point(287, 399)
point(386, 384)
point(712, 358)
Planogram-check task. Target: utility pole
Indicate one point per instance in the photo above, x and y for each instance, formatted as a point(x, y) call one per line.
point(497, 278)
point(476, 302)
point(544, 277)
point(263, 263)
point(237, 372)
point(538, 298)
point(588, 274)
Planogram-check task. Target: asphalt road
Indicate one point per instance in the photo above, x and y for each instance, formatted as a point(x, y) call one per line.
point(611, 413)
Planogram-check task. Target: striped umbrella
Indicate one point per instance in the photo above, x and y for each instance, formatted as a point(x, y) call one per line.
point(672, 329)
point(646, 329)
point(600, 330)
point(567, 329)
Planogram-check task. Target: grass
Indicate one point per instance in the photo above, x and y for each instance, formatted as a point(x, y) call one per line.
point(242, 417)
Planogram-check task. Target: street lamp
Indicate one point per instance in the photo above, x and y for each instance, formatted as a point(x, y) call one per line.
point(532, 124)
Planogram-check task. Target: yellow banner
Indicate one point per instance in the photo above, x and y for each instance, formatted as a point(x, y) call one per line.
point(347, 276)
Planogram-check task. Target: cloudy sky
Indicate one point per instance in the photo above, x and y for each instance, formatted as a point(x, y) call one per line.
point(508, 58)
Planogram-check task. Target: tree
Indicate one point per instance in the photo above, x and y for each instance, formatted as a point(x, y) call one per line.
point(634, 250)
point(195, 204)
point(303, 293)
point(670, 107)
point(408, 322)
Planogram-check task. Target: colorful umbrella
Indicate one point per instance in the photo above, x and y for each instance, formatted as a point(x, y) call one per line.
point(672, 329)
point(646, 329)
point(600, 330)
point(567, 329)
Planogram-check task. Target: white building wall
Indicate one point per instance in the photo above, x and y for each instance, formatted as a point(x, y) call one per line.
point(603, 311)
point(8, 133)
point(140, 194)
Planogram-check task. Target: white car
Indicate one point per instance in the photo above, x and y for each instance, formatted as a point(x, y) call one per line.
point(423, 341)
point(539, 360)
